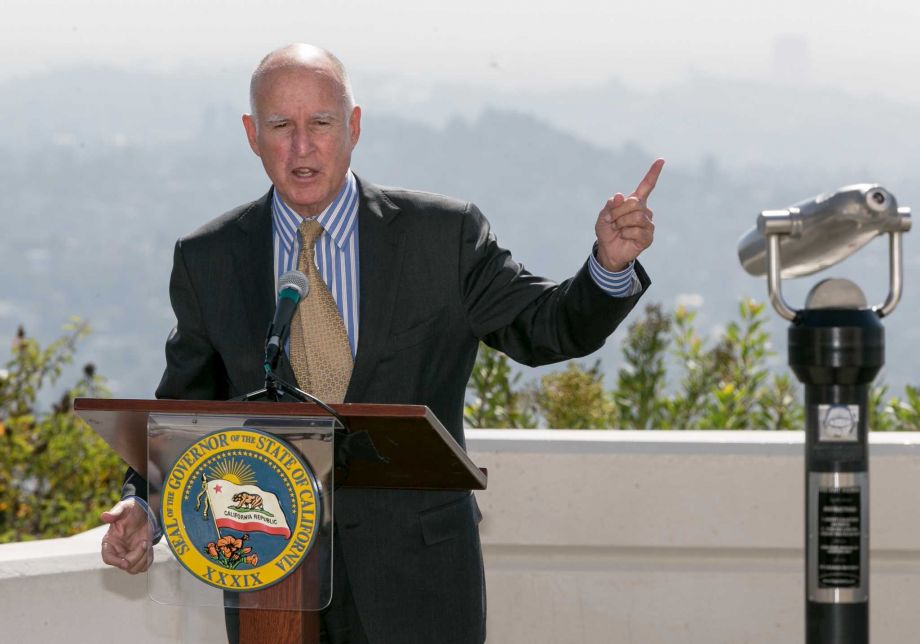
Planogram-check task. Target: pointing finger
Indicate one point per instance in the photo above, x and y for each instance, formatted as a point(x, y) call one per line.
point(650, 180)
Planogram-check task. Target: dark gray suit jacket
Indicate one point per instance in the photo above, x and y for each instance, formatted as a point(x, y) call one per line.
point(433, 282)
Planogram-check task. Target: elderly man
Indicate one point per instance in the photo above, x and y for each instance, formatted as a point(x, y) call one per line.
point(418, 280)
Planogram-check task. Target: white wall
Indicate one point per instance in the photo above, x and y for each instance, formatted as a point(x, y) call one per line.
point(628, 537)
point(663, 537)
point(58, 590)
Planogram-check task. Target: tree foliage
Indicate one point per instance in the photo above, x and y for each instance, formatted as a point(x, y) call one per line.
point(493, 400)
point(575, 398)
point(56, 475)
point(642, 379)
point(672, 378)
point(893, 413)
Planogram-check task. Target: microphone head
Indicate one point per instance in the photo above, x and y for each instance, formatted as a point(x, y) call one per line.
point(294, 280)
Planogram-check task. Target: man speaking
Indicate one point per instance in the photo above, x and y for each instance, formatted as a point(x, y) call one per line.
point(410, 283)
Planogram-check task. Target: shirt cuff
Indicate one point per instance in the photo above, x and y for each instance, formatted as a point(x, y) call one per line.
point(615, 284)
point(157, 530)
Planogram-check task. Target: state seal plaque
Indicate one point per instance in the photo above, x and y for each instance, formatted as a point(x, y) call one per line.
point(240, 509)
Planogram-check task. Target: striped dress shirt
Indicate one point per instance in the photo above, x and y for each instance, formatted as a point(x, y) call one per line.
point(336, 250)
point(616, 284)
point(337, 254)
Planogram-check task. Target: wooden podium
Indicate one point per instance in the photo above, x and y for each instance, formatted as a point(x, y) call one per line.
point(417, 453)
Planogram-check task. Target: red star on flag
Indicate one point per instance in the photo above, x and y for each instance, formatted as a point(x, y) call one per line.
point(217, 488)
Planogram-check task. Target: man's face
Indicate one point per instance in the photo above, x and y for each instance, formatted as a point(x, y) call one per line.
point(304, 134)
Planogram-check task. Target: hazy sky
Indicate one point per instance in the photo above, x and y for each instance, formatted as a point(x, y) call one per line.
point(863, 46)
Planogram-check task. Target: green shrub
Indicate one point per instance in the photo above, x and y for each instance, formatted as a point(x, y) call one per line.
point(671, 378)
point(56, 475)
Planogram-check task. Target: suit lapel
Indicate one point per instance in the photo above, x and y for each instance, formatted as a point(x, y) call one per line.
point(254, 253)
point(380, 240)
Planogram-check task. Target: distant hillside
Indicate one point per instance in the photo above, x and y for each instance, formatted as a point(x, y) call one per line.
point(90, 217)
point(742, 124)
point(85, 107)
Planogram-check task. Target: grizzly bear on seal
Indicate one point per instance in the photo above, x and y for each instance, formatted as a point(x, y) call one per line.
point(245, 500)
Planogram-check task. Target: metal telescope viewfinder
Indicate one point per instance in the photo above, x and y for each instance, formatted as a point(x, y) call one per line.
point(836, 349)
point(815, 234)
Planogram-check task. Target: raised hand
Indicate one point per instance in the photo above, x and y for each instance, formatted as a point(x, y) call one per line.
point(127, 543)
point(624, 226)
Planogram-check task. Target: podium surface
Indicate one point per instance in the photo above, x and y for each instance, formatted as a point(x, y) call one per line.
point(420, 453)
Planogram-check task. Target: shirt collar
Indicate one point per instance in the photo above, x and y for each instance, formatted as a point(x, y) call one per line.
point(338, 219)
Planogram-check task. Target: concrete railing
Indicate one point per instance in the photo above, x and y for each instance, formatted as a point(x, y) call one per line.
point(589, 536)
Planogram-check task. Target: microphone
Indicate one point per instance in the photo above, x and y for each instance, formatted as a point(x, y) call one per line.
point(823, 230)
point(292, 287)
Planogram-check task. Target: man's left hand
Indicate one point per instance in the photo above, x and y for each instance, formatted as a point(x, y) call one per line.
point(624, 226)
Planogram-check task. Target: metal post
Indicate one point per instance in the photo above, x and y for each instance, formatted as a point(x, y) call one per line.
point(836, 353)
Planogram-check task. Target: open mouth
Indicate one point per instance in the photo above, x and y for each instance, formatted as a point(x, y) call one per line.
point(303, 173)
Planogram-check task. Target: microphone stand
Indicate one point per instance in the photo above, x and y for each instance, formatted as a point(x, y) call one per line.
point(275, 389)
point(347, 443)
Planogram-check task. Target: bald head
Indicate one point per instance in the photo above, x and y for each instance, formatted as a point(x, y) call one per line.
point(304, 125)
point(305, 57)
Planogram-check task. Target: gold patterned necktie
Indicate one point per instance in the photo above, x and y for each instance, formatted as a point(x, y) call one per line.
point(320, 352)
